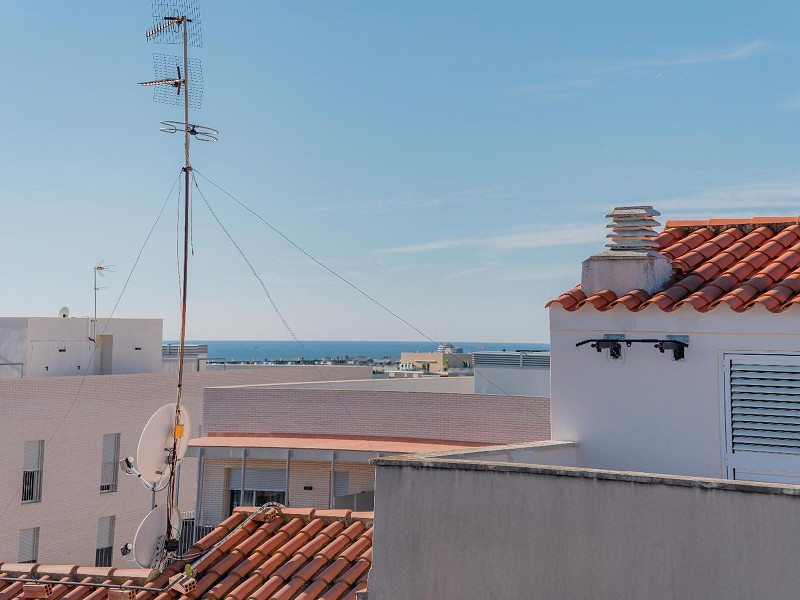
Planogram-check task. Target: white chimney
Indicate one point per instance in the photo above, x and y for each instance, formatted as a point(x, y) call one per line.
point(632, 262)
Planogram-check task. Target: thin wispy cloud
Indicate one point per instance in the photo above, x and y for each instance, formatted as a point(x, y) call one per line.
point(558, 90)
point(533, 237)
point(542, 273)
point(756, 195)
point(405, 202)
point(497, 271)
point(705, 56)
point(792, 104)
point(471, 272)
point(556, 87)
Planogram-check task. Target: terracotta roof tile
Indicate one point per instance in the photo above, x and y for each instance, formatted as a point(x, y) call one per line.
point(292, 554)
point(736, 262)
point(600, 300)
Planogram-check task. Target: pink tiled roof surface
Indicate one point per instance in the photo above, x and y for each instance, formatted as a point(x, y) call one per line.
point(291, 554)
point(740, 263)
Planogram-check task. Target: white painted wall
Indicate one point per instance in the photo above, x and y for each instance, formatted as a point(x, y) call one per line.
point(512, 380)
point(647, 412)
point(13, 346)
point(52, 346)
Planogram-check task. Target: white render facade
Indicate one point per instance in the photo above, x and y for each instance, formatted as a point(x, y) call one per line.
point(55, 346)
point(648, 412)
point(71, 418)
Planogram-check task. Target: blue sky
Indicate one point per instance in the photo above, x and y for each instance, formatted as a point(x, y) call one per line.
point(454, 159)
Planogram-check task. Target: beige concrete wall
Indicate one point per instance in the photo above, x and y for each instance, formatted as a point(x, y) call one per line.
point(512, 532)
point(463, 417)
point(73, 413)
point(302, 473)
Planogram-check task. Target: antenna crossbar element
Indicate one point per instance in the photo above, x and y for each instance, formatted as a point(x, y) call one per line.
point(176, 12)
point(172, 82)
point(170, 22)
point(166, 66)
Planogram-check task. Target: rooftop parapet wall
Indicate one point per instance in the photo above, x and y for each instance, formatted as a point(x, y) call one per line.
point(453, 417)
point(503, 530)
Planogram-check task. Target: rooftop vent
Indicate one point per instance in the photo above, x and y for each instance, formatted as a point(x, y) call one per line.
point(632, 261)
point(632, 228)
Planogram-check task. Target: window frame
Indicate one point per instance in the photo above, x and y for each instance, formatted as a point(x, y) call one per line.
point(31, 492)
point(105, 554)
point(35, 545)
point(110, 466)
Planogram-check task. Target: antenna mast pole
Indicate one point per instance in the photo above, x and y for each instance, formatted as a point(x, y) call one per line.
point(178, 22)
point(186, 169)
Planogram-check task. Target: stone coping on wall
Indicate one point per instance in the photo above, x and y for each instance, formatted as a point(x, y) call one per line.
point(440, 460)
point(540, 446)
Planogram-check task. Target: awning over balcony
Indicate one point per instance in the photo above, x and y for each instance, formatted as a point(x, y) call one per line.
point(355, 448)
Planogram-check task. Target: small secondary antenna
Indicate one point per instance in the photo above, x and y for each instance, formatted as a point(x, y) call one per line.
point(100, 268)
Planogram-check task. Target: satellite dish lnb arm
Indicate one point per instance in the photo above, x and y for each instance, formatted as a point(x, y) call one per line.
point(126, 464)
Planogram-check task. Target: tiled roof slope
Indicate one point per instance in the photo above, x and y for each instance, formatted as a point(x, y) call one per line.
point(291, 554)
point(740, 263)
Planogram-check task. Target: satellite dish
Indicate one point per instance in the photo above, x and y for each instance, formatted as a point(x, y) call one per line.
point(148, 544)
point(155, 445)
point(64, 312)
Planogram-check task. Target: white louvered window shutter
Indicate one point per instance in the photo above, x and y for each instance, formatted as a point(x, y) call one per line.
point(764, 407)
point(29, 545)
point(32, 471)
point(266, 480)
point(341, 483)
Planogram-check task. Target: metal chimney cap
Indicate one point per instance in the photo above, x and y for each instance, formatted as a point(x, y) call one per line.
point(632, 229)
point(633, 212)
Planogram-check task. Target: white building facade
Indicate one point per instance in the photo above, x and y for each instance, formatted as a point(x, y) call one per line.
point(62, 346)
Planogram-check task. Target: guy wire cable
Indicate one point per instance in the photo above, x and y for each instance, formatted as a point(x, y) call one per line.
point(352, 285)
point(278, 312)
point(319, 262)
point(94, 350)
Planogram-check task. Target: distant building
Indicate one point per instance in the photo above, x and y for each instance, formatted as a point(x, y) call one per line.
point(195, 357)
point(60, 442)
point(309, 444)
point(521, 373)
point(446, 357)
point(58, 346)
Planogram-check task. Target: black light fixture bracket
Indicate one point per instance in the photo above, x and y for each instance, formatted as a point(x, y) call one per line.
point(676, 344)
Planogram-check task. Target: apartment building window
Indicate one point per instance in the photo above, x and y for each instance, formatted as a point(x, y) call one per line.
point(261, 486)
point(32, 471)
point(29, 545)
point(109, 469)
point(105, 541)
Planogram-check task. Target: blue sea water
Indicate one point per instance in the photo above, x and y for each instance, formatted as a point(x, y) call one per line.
point(244, 350)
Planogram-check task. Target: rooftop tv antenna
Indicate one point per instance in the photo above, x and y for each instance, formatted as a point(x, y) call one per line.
point(179, 80)
point(100, 268)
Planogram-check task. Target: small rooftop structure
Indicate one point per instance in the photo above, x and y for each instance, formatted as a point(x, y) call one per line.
point(740, 263)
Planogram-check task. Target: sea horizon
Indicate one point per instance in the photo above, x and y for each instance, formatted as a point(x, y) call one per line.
point(260, 350)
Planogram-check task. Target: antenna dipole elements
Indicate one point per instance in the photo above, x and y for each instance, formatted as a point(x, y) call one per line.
point(168, 17)
point(169, 74)
point(200, 132)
